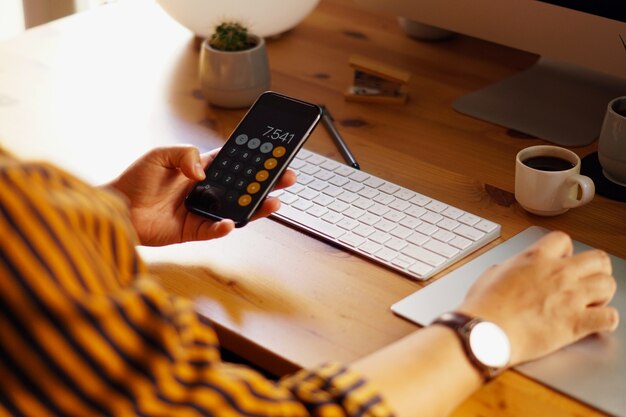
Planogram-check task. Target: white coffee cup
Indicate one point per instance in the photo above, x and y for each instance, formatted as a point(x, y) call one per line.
point(548, 180)
point(612, 142)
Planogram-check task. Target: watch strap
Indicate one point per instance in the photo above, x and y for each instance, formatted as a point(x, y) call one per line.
point(462, 325)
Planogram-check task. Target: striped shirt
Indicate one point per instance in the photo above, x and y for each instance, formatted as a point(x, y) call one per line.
point(84, 331)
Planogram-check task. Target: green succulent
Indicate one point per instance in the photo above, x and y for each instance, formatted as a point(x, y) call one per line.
point(230, 36)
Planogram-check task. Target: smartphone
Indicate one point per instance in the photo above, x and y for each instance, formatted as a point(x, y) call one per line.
point(253, 158)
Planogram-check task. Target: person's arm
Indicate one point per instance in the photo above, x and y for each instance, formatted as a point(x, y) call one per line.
point(85, 332)
point(544, 298)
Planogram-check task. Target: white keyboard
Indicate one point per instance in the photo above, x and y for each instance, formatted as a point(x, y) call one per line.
point(382, 221)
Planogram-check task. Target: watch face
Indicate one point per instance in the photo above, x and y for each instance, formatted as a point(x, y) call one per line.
point(490, 345)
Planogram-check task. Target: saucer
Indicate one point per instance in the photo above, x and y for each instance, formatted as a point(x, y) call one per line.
point(590, 166)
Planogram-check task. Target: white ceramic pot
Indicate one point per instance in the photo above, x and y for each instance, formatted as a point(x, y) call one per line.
point(262, 17)
point(234, 79)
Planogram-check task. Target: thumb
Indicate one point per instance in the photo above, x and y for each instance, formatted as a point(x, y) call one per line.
point(185, 158)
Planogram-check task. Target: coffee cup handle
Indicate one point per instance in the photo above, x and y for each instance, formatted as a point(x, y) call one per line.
point(584, 184)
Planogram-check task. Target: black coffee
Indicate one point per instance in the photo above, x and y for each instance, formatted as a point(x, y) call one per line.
point(548, 163)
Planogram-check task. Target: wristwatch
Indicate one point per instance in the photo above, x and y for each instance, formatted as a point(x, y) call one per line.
point(486, 345)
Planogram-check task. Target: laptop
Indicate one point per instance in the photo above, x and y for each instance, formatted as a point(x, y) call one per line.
point(592, 370)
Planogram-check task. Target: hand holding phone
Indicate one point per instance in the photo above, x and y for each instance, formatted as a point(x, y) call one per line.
point(253, 158)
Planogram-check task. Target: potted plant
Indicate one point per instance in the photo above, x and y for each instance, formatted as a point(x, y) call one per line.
point(234, 68)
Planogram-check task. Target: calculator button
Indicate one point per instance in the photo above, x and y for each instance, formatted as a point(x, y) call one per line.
point(232, 151)
point(240, 184)
point(231, 196)
point(237, 167)
point(270, 163)
point(266, 147)
point(210, 195)
point(257, 159)
point(244, 200)
point(253, 187)
point(262, 175)
point(241, 139)
point(279, 151)
point(214, 174)
point(224, 162)
point(254, 143)
point(249, 172)
point(245, 155)
point(228, 179)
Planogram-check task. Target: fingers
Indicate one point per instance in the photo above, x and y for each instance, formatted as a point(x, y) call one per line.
point(587, 263)
point(552, 245)
point(597, 320)
point(185, 158)
point(598, 290)
point(288, 179)
point(208, 157)
point(212, 230)
point(269, 206)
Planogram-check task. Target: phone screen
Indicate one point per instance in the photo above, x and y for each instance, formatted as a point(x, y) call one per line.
point(256, 153)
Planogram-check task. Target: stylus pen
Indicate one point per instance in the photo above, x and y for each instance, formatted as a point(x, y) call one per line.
point(327, 120)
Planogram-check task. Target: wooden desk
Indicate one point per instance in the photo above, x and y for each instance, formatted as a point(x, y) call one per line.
point(94, 91)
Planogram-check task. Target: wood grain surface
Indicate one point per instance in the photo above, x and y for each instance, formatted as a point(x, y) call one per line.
point(94, 91)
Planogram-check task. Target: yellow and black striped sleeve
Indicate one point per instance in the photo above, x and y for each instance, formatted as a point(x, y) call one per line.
point(85, 332)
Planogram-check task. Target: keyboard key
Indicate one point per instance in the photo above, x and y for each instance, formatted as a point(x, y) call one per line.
point(421, 269)
point(469, 232)
point(338, 206)
point(353, 212)
point(317, 211)
point(386, 254)
point(486, 226)
point(363, 230)
point(374, 182)
point(403, 261)
point(332, 191)
point(436, 206)
point(368, 192)
point(323, 199)
point(363, 203)
point(348, 197)
point(423, 255)
point(348, 223)
point(469, 219)
point(396, 244)
point(460, 242)
point(441, 248)
point(379, 237)
point(352, 240)
point(417, 238)
point(288, 198)
point(359, 176)
point(344, 171)
point(302, 204)
point(404, 194)
point(370, 247)
point(383, 198)
point(388, 188)
point(332, 217)
point(338, 180)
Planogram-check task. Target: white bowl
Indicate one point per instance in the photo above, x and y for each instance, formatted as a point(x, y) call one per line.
point(262, 17)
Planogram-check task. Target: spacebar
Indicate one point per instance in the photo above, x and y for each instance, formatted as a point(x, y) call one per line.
point(311, 222)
